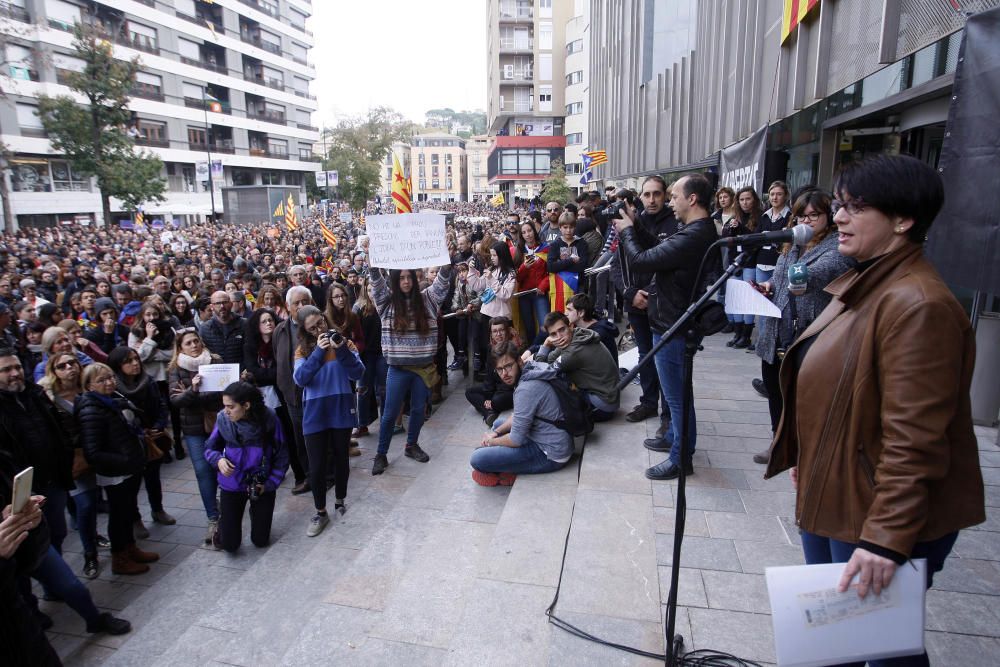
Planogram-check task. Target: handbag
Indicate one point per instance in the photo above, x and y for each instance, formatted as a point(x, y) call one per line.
point(80, 465)
point(157, 445)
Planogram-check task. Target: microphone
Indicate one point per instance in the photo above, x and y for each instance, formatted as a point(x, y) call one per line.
point(798, 278)
point(798, 235)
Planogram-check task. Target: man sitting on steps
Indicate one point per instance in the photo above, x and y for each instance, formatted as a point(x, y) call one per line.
point(527, 442)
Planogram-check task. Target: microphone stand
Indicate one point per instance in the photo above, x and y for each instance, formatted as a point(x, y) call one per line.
point(675, 642)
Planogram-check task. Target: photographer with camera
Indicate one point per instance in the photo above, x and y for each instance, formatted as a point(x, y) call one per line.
point(247, 447)
point(675, 261)
point(325, 365)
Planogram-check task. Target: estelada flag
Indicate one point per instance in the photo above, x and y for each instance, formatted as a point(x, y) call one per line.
point(593, 159)
point(328, 236)
point(400, 188)
point(562, 285)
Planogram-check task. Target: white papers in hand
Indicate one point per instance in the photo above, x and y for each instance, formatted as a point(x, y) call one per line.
point(742, 299)
point(216, 377)
point(816, 625)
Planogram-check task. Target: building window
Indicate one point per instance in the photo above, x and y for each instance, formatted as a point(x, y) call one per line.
point(142, 37)
point(270, 178)
point(574, 78)
point(293, 178)
point(422, 184)
point(30, 175)
point(574, 139)
point(147, 85)
point(28, 120)
point(422, 170)
point(64, 179)
point(197, 137)
point(243, 177)
point(545, 67)
point(574, 108)
point(305, 152)
point(545, 98)
point(576, 46)
point(545, 35)
point(434, 158)
point(420, 158)
point(574, 168)
point(447, 157)
point(277, 147)
point(152, 132)
point(545, 9)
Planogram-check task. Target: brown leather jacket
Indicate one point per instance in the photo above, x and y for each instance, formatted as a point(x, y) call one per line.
point(878, 419)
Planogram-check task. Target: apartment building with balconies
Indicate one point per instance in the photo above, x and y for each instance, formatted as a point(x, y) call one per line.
point(222, 97)
point(526, 94)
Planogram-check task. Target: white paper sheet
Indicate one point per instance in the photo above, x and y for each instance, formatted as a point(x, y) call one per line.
point(742, 299)
point(406, 240)
point(815, 625)
point(216, 377)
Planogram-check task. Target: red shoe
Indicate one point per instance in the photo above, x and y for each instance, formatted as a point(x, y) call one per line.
point(507, 478)
point(485, 478)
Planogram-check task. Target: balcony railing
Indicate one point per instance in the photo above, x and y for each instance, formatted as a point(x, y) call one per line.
point(143, 90)
point(272, 151)
point(34, 132)
point(22, 73)
point(305, 126)
point(267, 9)
point(199, 103)
point(516, 76)
point(507, 44)
point(508, 15)
point(152, 141)
point(141, 43)
point(222, 146)
point(254, 40)
point(299, 93)
point(202, 20)
point(205, 64)
point(9, 11)
point(300, 60)
point(267, 115)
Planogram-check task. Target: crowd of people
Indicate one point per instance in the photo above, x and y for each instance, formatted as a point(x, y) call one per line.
point(106, 333)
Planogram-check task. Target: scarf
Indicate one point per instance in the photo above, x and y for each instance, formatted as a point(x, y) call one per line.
point(189, 363)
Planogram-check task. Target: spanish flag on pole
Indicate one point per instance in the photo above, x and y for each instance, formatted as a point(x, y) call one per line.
point(400, 188)
point(328, 236)
point(291, 220)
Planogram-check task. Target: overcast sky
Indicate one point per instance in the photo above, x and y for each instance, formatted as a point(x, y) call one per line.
point(412, 56)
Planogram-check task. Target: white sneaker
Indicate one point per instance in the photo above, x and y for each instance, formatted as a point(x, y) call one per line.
point(213, 528)
point(317, 524)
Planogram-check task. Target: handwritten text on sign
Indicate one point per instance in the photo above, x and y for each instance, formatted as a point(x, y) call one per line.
point(407, 241)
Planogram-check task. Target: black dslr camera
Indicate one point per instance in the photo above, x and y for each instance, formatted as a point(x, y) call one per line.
point(255, 481)
point(335, 336)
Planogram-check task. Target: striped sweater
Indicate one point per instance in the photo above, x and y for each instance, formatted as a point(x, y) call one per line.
point(410, 348)
point(327, 396)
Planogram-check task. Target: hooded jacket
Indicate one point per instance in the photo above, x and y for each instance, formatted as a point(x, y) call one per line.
point(244, 444)
point(587, 363)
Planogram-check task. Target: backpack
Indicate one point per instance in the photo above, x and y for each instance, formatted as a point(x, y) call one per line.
point(577, 419)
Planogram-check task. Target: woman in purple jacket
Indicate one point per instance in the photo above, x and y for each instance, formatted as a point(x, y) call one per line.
point(248, 449)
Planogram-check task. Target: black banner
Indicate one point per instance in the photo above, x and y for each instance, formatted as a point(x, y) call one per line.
point(963, 241)
point(742, 164)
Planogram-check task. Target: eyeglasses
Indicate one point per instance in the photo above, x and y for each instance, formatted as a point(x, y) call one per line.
point(811, 217)
point(853, 207)
point(105, 379)
point(507, 368)
point(66, 364)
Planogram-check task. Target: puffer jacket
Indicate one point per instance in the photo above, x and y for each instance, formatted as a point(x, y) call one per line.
point(109, 434)
point(192, 404)
point(243, 443)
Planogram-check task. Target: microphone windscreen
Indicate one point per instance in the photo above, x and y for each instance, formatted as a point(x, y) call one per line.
point(802, 234)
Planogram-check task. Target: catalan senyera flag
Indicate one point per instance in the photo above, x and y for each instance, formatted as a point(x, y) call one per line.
point(498, 200)
point(400, 188)
point(794, 12)
point(291, 220)
point(328, 236)
point(596, 158)
point(562, 285)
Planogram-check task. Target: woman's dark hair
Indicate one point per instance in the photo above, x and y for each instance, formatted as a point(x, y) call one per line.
point(407, 307)
point(46, 312)
point(536, 216)
point(119, 356)
point(749, 220)
point(307, 341)
point(534, 230)
point(820, 202)
point(342, 319)
point(505, 263)
point(244, 392)
point(251, 336)
point(583, 305)
point(896, 185)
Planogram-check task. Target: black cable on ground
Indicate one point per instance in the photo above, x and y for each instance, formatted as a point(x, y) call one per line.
point(699, 658)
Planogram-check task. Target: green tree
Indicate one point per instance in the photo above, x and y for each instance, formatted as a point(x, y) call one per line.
point(94, 135)
point(554, 188)
point(357, 147)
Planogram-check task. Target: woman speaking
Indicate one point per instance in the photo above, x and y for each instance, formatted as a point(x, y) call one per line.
point(877, 421)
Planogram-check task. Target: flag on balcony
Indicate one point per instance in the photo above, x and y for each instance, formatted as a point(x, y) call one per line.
point(794, 12)
point(328, 236)
point(400, 188)
point(498, 200)
point(291, 220)
point(214, 103)
point(593, 159)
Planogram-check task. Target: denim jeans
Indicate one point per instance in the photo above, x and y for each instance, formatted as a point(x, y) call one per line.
point(534, 308)
point(208, 482)
point(399, 383)
point(528, 459)
point(58, 579)
point(670, 370)
point(748, 275)
point(86, 519)
point(54, 510)
point(818, 549)
point(651, 394)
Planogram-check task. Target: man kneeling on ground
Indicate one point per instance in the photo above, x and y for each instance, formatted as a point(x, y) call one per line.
point(579, 353)
point(527, 442)
point(493, 396)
